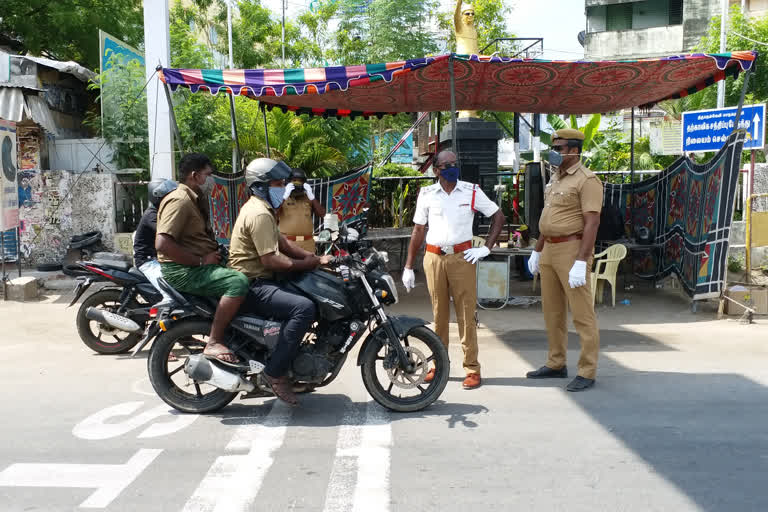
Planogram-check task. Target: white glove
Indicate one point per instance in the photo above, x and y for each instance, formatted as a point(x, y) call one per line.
point(308, 190)
point(288, 189)
point(409, 279)
point(578, 274)
point(475, 254)
point(533, 262)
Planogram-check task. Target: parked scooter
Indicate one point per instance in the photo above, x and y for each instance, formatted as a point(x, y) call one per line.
point(111, 320)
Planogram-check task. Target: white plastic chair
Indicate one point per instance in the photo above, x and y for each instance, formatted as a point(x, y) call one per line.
point(606, 268)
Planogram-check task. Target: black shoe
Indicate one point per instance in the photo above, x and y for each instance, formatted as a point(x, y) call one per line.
point(545, 372)
point(580, 384)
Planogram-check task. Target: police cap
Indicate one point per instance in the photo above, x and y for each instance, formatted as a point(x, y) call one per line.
point(568, 134)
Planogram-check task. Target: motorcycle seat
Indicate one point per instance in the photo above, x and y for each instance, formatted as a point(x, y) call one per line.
point(113, 264)
point(137, 272)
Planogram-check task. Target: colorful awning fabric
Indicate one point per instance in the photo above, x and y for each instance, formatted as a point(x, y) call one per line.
point(482, 83)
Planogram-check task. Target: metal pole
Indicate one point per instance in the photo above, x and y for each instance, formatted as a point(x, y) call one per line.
point(723, 19)
point(266, 132)
point(632, 147)
point(454, 142)
point(283, 35)
point(437, 143)
point(233, 118)
point(516, 137)
point(18, 248)
point(173, 117)
point(741, 98)
point(536, 137)
point(752, 172)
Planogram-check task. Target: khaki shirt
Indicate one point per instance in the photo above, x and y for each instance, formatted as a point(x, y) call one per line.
point(567, 197)
point(296, 217)
point(255, 235)
point(183, 216)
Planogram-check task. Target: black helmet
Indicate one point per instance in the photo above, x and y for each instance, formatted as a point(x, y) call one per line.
point(158, 188)
point(299, 174)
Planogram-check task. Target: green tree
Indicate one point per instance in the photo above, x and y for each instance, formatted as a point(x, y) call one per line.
point(69, 30)
point(739, 27)
point(124, 119)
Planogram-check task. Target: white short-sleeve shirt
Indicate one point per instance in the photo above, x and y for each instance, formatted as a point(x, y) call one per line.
point(450, 216)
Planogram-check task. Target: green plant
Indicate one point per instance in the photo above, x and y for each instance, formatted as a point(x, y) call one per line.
point(735, 265)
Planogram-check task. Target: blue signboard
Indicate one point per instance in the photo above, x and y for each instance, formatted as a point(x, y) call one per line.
point(707, 130)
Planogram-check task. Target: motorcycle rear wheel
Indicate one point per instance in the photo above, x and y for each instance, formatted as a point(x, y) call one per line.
point(417, 342)
point(108, 300)
point(168, 377)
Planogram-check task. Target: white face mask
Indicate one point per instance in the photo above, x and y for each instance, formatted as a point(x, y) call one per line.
point(207, 187)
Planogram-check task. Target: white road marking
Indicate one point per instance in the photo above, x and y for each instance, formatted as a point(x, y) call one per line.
point(233, 481)
point(101, 425)
point(359, 479)
point(136, 387)
point(109, 480)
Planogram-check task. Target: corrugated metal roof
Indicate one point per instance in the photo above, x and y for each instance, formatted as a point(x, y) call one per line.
point(38, 111)
point(71, 67)
point(17, 106)
point(11, 104)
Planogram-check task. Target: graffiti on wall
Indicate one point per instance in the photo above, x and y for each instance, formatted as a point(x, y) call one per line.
point(63, 204)
point(28, 138)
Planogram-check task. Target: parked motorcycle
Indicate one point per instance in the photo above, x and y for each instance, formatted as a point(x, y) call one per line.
point(395, 356)
point(111, 320)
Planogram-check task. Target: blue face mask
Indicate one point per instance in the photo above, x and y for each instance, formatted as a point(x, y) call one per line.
point(450, 174)
point(276, 196)
point(555, 158)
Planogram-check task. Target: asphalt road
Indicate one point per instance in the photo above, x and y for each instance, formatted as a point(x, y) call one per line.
point(676, 422)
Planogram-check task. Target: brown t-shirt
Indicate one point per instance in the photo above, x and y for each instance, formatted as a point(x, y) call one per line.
point(255, 235)
point(183, 215)
point(567, 197)
point(296, 217)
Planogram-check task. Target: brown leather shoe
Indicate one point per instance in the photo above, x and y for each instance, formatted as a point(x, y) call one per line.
point(283, 389)
point(472, 381)
point(430, 376)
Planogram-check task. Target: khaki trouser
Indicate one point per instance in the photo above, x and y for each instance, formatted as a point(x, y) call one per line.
point(556, 296)
point(451, 276)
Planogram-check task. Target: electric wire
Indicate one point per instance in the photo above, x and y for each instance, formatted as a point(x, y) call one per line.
point(85, 169)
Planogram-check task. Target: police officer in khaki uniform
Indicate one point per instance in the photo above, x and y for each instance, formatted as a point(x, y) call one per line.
point(299, 204)
point(563, 256)
point(449, 208)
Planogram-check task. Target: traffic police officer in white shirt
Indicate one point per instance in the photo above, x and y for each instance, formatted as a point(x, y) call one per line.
point(449, 208)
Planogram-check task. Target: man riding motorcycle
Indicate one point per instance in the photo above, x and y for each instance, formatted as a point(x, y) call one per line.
point(144, 252)
point(258, 250)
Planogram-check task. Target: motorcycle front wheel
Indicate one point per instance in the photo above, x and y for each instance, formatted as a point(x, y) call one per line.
point(400, 390)
point(167, 357)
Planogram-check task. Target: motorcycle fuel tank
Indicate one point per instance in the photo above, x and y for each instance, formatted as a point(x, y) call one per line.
point(327, 291)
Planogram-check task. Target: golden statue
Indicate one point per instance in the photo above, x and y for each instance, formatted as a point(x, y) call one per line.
point(466, 38)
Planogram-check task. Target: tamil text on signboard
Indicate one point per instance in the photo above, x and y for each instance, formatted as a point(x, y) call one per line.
point(707, 130)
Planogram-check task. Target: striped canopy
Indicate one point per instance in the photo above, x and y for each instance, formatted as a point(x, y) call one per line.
point(482, 83)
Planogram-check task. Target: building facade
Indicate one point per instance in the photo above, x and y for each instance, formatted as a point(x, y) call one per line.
point(627, 29)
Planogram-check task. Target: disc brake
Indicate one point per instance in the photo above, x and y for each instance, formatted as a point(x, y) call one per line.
point(405, 380)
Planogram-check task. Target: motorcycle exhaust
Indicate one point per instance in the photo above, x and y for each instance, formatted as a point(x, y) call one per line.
point(201, 369)
point(118, 322)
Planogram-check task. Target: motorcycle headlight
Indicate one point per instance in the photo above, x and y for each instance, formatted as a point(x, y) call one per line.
point(391, 285)
point(384, 255)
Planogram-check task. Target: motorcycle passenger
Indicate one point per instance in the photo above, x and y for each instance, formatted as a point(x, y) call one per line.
point(295, 216)
point(188, 251)
point(144, 252)
point(258, 250)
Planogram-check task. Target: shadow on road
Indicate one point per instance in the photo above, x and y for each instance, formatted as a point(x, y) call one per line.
point(704, 433)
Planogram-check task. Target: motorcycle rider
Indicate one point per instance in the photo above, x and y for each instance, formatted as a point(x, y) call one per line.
point(258, 250)
point(188, 251)
point(144, 252)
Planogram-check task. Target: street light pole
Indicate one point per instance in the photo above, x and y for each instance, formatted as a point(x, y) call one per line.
point(721, 83)
point(282, 2)
point(236, 145)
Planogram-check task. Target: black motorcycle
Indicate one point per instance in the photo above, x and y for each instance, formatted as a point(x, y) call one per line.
point(396, 354)
point(111, 320)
